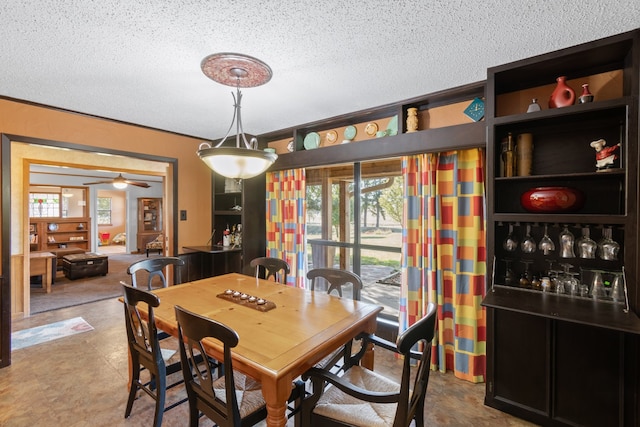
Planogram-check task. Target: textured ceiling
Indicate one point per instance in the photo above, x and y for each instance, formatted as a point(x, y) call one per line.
point(139, 61)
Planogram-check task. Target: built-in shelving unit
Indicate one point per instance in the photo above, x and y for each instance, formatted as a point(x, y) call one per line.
point(239, 206)
point(47, 234)
point(561, 355)
point(150, 224)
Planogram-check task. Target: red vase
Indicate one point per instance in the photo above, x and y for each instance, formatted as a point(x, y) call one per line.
point(586, 95)
point(562, 95)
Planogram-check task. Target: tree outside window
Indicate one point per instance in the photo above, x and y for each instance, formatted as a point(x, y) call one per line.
point(103, 210)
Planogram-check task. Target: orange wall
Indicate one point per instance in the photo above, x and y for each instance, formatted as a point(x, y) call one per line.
point(21, 119)
point(194, 179)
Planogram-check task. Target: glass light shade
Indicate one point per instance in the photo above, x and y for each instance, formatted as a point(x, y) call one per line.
point(120, 185)
point(239, 163)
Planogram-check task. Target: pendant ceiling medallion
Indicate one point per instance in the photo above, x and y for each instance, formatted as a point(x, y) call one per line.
point(237, 70)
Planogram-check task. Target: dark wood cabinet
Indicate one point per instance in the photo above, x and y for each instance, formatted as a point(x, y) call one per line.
point(556, 358)
point(239, 205)
point(150, 224)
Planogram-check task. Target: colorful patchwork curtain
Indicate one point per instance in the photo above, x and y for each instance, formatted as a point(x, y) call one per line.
point(286, 221)
point(444, 256)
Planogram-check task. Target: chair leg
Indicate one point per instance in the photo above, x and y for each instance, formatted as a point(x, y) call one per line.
point(133, 388)
point(160, 395)
point(194, 413)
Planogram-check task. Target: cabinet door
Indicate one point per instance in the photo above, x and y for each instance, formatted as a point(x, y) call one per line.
point(520, 362)
point(587, 375)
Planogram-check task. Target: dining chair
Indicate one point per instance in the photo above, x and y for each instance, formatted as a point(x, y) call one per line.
point(146, 353)
point(337, 280)
point(154, 267)
point(230, 400)
point(271, 267)
point(361, 397)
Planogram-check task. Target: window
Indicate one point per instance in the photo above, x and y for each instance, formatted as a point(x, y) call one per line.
point(103, 210)
point(358, 228)
point(44, 205)
point(47, 201)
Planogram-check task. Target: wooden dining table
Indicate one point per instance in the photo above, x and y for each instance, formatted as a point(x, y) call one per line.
point(279, 340)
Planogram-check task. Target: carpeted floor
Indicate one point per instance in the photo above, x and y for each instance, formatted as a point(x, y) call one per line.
point(68, 293)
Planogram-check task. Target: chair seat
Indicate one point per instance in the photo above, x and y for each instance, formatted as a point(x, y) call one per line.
point(248, 393)
point(339, 406)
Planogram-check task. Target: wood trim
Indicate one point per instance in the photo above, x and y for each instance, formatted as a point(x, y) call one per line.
point(5, 244)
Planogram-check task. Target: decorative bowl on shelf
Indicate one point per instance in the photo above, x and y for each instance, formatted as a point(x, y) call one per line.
point(552, 199)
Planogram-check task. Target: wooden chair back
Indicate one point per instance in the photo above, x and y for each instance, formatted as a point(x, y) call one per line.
point(154, 267)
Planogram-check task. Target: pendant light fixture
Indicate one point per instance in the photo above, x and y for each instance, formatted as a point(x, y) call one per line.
point(244, 160)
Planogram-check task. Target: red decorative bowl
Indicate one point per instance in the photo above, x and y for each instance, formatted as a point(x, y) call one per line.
point(552, 199)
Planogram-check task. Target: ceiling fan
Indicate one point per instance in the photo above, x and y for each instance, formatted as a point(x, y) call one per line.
point(120, 182)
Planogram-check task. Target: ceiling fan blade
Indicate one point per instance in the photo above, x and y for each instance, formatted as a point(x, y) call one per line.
point(137, 183)
point(97, 182)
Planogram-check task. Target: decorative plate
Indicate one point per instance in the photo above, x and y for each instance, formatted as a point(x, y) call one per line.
point(392, 127)
point(371, 129)
point(290, 146)
point(311, 141)
point(350, 132)
point(53, 226)
point(332, 136)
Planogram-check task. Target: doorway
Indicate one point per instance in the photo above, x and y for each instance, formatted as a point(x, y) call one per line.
point(66, 160)
point(111, 214)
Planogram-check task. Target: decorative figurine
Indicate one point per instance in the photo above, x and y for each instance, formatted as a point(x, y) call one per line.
point(412, 120)
point(534, 106)
point(606, 157)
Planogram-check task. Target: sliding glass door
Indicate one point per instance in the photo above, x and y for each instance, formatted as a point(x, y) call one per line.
point(354, 222)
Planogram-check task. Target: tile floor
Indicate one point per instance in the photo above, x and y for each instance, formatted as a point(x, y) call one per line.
point(81, 380)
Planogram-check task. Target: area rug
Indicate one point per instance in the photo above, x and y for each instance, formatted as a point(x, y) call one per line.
point(50, 332)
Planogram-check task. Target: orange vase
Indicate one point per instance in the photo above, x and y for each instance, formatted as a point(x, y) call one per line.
point(563, 95)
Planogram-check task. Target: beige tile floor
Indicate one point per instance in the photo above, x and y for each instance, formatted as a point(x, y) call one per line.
point(81, 380)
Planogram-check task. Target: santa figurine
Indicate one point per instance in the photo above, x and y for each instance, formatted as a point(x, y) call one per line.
point(605, 156)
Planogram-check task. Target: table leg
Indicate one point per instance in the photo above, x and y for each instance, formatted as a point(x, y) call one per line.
point(275, 393)
point(46, 277)
point(369, 356)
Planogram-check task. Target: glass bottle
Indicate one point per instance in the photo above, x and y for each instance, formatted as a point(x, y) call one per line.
point(509, 157)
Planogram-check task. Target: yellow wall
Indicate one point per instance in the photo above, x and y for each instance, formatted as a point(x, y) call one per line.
point(118, 213)
point(194, 178)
